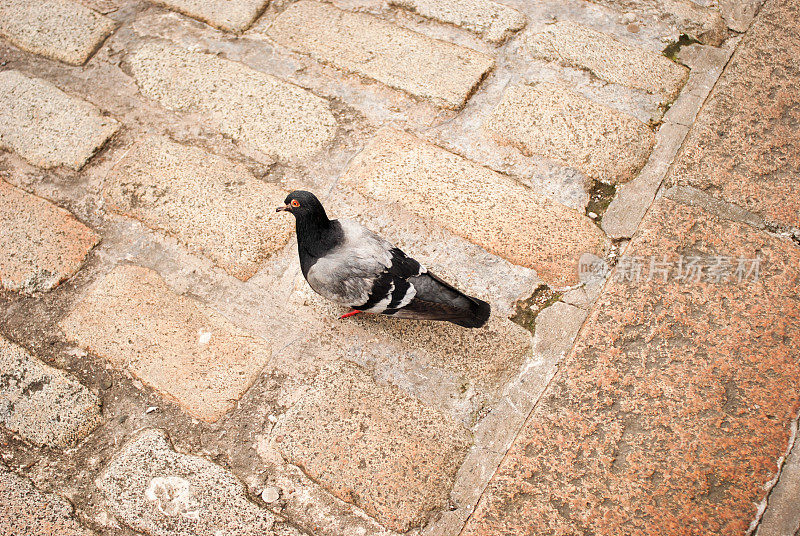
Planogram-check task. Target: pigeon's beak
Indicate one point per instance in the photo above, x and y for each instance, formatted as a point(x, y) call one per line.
point(284, 208)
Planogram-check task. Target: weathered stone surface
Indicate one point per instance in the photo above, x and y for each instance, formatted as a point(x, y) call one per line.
point(696, 198)
point(259, 110)
point(226, 15)
point(373, 446)
point(754, 104)
point(41, 403)
point(548, 119)
point(782, 515)
point(211, 204)
point(59, 29)
point(42, 244)
point(738, 14)
point(103, 6)
point(46, 126)
point(494, 21)
point(488, 356)
point(632, 199)
point(669, 416)
point(608, 58)
point(175, 344)
point(441, 72)
point(28, 511)
point(555, 329)
point(696, 21)
point(158, 491)
point(487, 208)
point(308, 504)
point(485, 358)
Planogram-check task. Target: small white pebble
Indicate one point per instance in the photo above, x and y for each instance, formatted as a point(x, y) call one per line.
point(270, 494)
point(272, 418)
point(103, 518)
point(151, 409)
point(593, 215)
point(203, 337)
point(77, 352)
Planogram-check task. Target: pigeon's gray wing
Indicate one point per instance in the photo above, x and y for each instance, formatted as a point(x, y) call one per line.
point(369, 274)
point(364, 272)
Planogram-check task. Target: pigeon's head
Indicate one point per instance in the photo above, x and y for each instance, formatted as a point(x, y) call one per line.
point(304, 205)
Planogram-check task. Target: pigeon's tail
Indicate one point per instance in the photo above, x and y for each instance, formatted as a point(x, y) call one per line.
point(438, 300)
point(479, 314)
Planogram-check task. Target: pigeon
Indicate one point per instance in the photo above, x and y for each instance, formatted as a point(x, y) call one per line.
point(348, 264)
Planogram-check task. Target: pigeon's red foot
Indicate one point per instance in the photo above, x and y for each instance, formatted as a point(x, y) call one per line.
point(351, 313)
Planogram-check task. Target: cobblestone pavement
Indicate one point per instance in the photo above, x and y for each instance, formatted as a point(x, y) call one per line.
point(619, 178)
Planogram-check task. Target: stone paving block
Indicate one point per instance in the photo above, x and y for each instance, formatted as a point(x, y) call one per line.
point(555, 329)
point(488, 356)
point(485, 358)
point(739, 14)
point(494, 22)
point(213, 205)
point(265, 113)
point(310, 506)
point(42, 244)
point(782, 515)
point(43, 404)
point(755, 103)
point(697, 21)
point(608, 58)
point(29, 512)
point(441, 72)
point(229, 16)
point(175, 344)
point(59, 29)
point(155, 490)
point(489, 209)
point(103, 6)
point(671, 412)
point(47, 127)
point(632, 199)
point(549, 120)
point(373, 446)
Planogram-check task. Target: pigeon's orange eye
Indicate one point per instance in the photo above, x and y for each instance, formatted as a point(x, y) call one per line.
point(295, 203)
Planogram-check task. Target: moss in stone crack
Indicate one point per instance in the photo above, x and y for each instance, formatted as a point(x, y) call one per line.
point(673, 48)
point(665, 106)
point(483, 409)
point(600, 196)
point(528, 309)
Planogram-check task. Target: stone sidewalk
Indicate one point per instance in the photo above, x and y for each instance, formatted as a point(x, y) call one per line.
point(617, 177)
